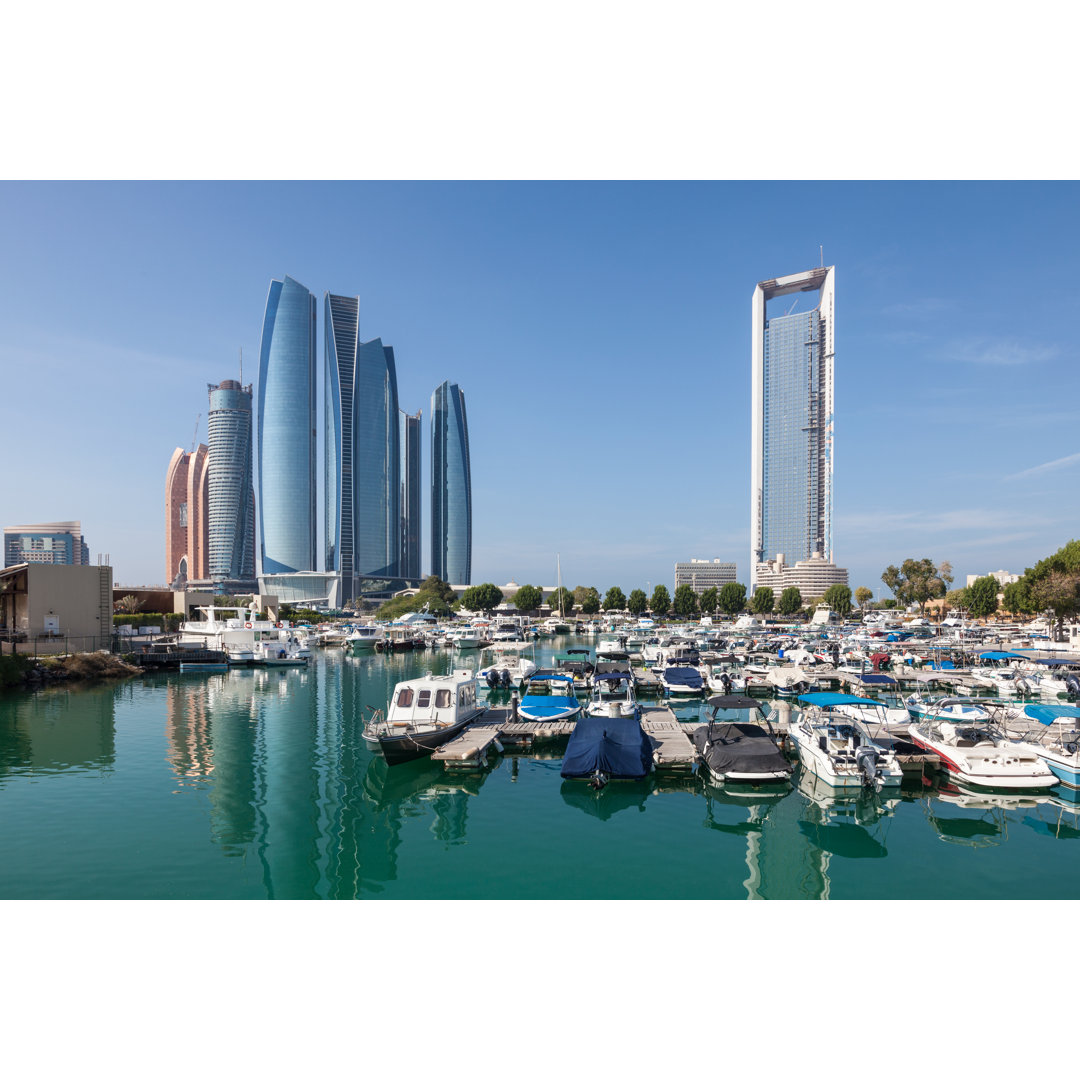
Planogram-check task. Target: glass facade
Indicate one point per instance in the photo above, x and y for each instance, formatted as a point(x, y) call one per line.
point(363, 449)
point(57, 543)
point(451, 487)
point(791, 488)
point(410, 495)
point(286, 450)
point(231, 499)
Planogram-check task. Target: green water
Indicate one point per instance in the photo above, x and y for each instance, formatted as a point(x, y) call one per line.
point(256, 784)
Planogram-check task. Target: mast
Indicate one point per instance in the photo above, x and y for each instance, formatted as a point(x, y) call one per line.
point(558, 585)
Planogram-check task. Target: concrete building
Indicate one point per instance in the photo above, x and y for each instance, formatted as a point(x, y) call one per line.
point(57, 543)
point(701, 574)
point(54, 608)
point(187, 538)
point(810, 576)
point(1002, 577)
point(791, 482)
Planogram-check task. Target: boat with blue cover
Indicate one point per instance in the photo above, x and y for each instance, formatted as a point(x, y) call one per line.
point(604, 748)
point(613, 695)
point(549, 695)
point(682, 680)
point(1055, 737)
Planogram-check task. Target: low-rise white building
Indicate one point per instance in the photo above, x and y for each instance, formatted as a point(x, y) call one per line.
point(701, 574)
point(810, 576)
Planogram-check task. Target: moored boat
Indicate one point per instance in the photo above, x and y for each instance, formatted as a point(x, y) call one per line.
point(423, 714)
point(549, 695)
point(1055, 738)
point(604, 748)
point(738, 744)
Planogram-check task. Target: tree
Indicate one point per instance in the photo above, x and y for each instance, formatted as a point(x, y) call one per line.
point(1017, 598)
point(562, 599)
point(863, 596)
point(660, 601)
point(918, 580)
point(790, 600)
point(1053, 583)
point(433, 585)
point(732, 598)
point(981, 597)
point(685, 602)
point(956, 598)
point(838, 597)
point(761, 603)
point(128, 605)
point(589, 601)
point(614, 599)
point(486, 597)
point(637, 602)
point(707, 600)
point(528, 598)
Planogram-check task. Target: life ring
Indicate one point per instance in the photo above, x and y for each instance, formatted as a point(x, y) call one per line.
point(247, 626)
point(279, 625)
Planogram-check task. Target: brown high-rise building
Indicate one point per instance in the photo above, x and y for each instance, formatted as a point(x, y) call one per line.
point(187, 517)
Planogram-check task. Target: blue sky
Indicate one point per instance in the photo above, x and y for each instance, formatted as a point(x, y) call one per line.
point(601, 334)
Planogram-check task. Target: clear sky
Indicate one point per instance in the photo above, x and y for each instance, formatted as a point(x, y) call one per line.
point(601, 334)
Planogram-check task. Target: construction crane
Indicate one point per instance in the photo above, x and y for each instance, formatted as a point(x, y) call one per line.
point(195, 437)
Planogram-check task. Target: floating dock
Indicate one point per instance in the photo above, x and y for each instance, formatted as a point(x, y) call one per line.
point(672, 748)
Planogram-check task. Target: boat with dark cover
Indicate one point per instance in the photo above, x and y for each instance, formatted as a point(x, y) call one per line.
point(604, 748)
point(740, 746)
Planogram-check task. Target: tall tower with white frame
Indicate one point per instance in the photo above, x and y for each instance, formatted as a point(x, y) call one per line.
point(791, 470)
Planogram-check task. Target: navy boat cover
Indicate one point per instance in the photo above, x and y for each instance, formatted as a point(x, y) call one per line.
point(683, 676)
point(615, 745)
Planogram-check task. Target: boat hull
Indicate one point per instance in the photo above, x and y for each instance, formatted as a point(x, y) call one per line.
point(398, 749)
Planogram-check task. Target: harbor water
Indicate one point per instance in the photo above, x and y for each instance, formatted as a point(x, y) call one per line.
point(256, 784)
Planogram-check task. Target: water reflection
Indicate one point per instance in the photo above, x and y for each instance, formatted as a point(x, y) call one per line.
point(58, 729)
point(985, 820)
point(604, 804)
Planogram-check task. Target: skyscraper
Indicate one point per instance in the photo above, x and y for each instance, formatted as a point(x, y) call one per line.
point(231, 498)
point(410, 495)
point(286, 450)
point(187, 507)
point(363, 517)
point(451, 487)
point(792, 442)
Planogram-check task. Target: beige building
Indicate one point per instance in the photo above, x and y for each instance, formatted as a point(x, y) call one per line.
point(810, 576)
point(51, 609)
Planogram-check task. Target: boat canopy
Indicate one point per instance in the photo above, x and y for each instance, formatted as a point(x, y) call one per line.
point(1002, 656)
point(827, 698)
point(1047, 714)
point(612, 676)
point(1058, 663)
point(547, 675)
point(879, 680)
point(732, 701)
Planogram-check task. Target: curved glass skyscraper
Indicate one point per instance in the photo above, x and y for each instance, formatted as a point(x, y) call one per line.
point(230, 499)
point(286, 431)
point(451, 487)
point(410, 495)
point(363, 518)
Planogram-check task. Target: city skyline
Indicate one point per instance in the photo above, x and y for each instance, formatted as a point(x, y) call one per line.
point(609, 310)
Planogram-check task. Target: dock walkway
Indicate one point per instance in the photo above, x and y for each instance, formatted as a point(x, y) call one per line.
point(673, 750)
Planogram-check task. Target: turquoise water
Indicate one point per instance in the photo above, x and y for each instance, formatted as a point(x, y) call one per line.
point(256, 784)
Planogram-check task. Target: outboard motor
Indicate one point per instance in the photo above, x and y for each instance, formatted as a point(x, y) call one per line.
point(1072, 685)
point(725, 682)
point(492, 679)
point(504, 678)
point(866, 763)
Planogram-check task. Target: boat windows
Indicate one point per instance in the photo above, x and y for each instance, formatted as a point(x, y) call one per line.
point(423, 700)
point(442, 699)
point(404, 698)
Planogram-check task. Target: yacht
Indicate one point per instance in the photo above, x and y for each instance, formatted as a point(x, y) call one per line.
point(1053, 732)
point(363, 638)
point(836, 747)
point(423, 714)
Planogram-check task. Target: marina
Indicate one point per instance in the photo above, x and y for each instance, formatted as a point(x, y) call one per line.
point(257, 782)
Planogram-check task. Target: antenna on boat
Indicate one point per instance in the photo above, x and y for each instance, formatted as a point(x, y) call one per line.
point(821, 250)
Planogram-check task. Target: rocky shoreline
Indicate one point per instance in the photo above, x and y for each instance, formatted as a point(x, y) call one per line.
point(27, 672)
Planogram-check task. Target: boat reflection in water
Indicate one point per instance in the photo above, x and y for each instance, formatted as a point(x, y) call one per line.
point(849, 825)
point(986, 821)
point(608, 801)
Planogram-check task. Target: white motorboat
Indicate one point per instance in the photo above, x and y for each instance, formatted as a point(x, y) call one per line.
point(837, 748)
point(508, 671)
point(1053, 732)
point(978, 753)
point(282, 652)
point(724, 677)
point(613, 695)
point(959, 710)
point(549, 695)
point(682, 680)
point(363, 638)
point(423, 714)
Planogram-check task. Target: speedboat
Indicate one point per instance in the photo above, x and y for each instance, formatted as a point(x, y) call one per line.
point(604, 748)
point(549, 695)
point(363, 638)
point(977, 752)
point(282, 652)
point(423, 714)
point(959, 710)
point(1055, 737)
point(836, 747)
point(508, 672)
point(738, 744)
point(613, 695)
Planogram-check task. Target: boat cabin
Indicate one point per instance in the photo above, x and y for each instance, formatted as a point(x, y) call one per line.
point(434, 699)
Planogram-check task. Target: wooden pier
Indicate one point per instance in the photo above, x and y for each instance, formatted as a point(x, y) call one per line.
point(673, 751)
